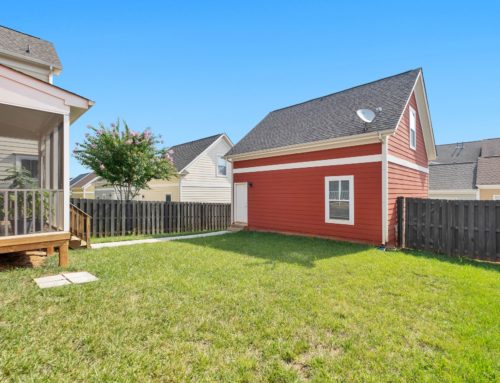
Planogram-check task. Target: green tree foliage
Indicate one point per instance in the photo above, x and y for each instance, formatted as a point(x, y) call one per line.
point(126, 159)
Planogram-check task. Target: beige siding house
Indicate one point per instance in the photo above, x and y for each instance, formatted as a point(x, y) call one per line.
point(35, 119)
point(203, 174)
point(83, 185)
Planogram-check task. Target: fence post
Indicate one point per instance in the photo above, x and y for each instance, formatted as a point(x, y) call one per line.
point(400, 203)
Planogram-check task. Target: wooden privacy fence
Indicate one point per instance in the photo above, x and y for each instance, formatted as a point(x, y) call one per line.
point(110, 217)
point(460, 228)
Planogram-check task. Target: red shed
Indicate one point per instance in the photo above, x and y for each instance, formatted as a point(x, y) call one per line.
point(316, 168)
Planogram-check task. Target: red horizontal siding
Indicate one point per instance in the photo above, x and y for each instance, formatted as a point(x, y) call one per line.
point(361, 150)
point(399, 143)
point(293, 201)
point(403, 182)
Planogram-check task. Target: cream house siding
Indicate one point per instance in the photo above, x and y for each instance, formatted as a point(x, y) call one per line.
point(9, 148)
point(158, 190)
point(201, 183)
point(488, 194)
point(88, 193)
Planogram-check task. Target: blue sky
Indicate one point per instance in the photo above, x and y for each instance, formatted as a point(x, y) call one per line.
point(193, 69)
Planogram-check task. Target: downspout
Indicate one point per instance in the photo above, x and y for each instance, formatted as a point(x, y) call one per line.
point(385, 189)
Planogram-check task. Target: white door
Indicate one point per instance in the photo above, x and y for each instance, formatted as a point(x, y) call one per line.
point(241, 202)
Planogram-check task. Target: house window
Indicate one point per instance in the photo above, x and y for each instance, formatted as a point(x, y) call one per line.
point(29, 163)
point(221, 166)
point(339, 200)
point(496, 197)
point(168, 197)
point(413, 129)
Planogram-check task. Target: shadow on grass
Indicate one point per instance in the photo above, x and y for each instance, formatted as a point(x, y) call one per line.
point(453, 259)
point(273, 248)
point(305, 251)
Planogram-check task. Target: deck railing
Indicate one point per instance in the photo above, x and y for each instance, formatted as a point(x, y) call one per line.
point(25, 211)
point(79, 224)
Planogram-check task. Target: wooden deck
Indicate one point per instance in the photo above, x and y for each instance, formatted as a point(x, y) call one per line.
point(47, 241)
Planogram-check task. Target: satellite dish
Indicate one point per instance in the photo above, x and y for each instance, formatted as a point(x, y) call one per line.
point(366, 115)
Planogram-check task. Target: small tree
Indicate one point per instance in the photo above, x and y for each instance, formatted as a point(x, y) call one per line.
point(126, 159)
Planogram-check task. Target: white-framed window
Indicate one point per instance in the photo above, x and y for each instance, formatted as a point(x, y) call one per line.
point(339, 200)
point(221, 166)
point(413, 129)
point(30, 163)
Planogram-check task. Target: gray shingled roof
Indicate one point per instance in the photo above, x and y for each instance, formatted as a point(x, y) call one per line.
point(488, 171)
point(17, 43)
point(331, 116)
point(452, 176)
point(465, 165)
point(185, 153)
point(82, 179)
point(458, 152)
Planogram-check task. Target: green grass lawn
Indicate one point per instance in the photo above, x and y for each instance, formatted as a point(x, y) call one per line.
point(251, 307)
point(132, 237)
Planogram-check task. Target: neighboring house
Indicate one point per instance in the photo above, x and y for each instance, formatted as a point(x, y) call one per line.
point(35, 117)
point(203, 174)
point(317, 169)
point(83, 185)
point(467, 171)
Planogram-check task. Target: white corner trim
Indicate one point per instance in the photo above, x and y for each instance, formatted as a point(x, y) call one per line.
point(350, 221)
point(311, 164)
point(385, 191)
point(407, 164)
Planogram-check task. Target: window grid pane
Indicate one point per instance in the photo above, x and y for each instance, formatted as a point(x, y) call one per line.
point(339, 202)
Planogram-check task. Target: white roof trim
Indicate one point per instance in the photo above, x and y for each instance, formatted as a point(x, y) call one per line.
point(63, 100)
point(339, 142)
point(423, 115)
point(222, 136)
point(488, 186)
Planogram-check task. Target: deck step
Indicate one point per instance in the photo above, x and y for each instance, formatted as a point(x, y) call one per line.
point(235, 227)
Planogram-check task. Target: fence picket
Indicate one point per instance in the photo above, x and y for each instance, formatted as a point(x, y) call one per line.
point(112, 217)
point(460, 228)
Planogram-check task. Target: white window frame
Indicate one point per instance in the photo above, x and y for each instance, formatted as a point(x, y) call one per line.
point(350, 221)
point(217, 167)
point(29, 157)
point(412, 124)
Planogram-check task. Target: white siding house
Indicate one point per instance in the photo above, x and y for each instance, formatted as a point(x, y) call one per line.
point(204, 179)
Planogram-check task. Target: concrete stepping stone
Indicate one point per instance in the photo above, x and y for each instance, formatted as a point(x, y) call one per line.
point(80, 277)
point(51, 281)
point(65, 279)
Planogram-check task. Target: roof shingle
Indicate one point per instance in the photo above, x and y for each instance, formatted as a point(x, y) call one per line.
point(185, 153)
point(331, 116)
point(488, 171)
point(452, 176)
point(17, 43)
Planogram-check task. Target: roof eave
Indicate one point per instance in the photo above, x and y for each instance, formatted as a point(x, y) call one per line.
point(56, 67)
point(339, 142)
